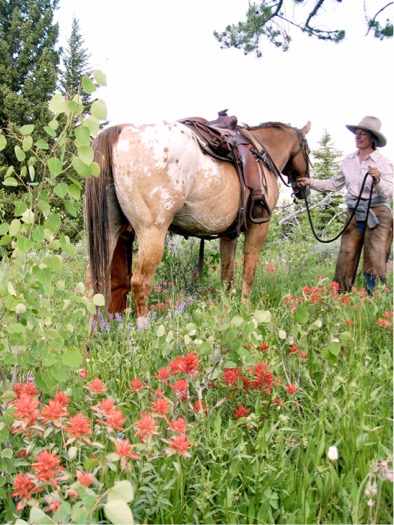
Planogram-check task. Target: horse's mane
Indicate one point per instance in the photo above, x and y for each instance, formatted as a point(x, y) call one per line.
point(265, 125)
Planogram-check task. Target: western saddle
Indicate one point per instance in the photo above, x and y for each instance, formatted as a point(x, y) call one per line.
point(224, 139)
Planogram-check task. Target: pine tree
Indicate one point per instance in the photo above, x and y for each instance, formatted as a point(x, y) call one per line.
point(75, 61)
point(28, 61)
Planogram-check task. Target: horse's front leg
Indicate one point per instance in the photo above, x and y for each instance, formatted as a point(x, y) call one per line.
point(228, 246)
point(254, 240)
point(150, 254)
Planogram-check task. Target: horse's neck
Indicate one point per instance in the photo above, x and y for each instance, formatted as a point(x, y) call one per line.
point(278, 143)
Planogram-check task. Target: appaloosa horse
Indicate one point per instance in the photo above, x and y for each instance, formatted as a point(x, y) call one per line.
point(155, 178)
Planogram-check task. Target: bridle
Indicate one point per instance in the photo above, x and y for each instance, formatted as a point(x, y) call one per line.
point(304, 149)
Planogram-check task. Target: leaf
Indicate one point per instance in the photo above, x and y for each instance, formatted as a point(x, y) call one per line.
point(61, 190)
point(87, 85)
point(100, 77)
point(20, 154)
point(24, 245)
point(10, 181)
point(58, 104)
point(86, 154)
point(27, 143)
point(82, 136)
point(70, 207)
point(301, 316)
point(98, 299)
point(118, 513)
point(93, 125)
point(72, 357)
point(282, 334)
point(99, 110)
point(81, 168)
point(15, 227)
point(27, 130)
point(55, 166)
point(236, 321)
point(3, 141)
point(42, 144)
point(262, 317)
point(160, 331)
point(50, 131)
point(121, 491)
point(74, 191)
point(38, 517)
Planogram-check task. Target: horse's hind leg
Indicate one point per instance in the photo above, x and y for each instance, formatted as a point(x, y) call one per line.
point(228, 246)
point(254, 240)
point(121, 271)
point(150, 254)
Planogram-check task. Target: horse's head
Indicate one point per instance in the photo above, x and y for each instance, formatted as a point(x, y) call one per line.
point(299, 163)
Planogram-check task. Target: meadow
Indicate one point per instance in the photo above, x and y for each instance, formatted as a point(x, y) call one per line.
point(216, 413)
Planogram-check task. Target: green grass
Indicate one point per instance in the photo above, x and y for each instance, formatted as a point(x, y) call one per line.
point(270, 466)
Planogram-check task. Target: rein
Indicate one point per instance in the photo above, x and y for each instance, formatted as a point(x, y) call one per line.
point(303, 192)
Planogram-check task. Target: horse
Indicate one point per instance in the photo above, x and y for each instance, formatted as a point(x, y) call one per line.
point(155, 178)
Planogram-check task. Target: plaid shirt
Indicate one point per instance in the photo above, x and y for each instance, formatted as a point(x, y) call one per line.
point(351, 174)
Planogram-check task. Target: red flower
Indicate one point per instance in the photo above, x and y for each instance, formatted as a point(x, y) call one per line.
point(62, 399)
point(53, 413)
point(291, 389)
point(178, 444)
point(178, 425)
point(186, 364)
point(199, 406)
point(124, 451)
point(161, 406)
point(264, 347)
point(24, 486)
point(314, 298)
point(231, 376)
point(114, 420)
point(163, 374)
point(383, 322)
point(136, 385)
point(47, 467)
point(26, 413)
point(105, 407)
point(345, 299)
point(293, 349)
point(79, 426)
point(304, 355)
point(83, 373)
point(180, 386)
point(334, 287)
point(53, 506)
point(27, 388)
point(241, 411)
point(96, 386)
point(278, 401)
point(84, 478)
point(146, 427)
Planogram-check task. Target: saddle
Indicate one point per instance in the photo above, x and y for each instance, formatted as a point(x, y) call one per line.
point(223, 139)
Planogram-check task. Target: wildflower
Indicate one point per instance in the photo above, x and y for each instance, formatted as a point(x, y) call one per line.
point(124, 451)
point(241, 411)
point(53, 413)
point(199, 406)
point(231, 376)
point(163, 374)
point(61, 398)
point(307, 290)
point(178, 425)
point(314, 298)
point(136, 385)
point(146, 427)
point(186, 364)
point(261, 377)
point(178, 444)
point(114, 420)
point(278, 401)
point(345, 299)
point(304, 355)
point(26, 412)
point(83, 373)
point(161, 406)
point(96, 386)
point(47, 467)
point(84, 478)
point(332, 453)
point(334, 287)
point(180, 386)
point(264, 347)
point(291, 389)
point(24, 486)
point(28, 389)
point(79, 426)
point(270, 268)
point(105, 407)
point(293, 349)
point(383, 322)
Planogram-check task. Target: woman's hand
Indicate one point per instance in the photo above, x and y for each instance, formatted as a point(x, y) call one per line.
point(303, 181)
point(375, 174)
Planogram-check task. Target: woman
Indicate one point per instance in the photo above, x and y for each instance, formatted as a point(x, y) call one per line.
point(376, 230)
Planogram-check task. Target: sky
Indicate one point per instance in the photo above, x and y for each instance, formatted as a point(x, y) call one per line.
point(162, 61)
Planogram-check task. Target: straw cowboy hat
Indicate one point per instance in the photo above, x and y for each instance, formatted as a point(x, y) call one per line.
point(373, 125)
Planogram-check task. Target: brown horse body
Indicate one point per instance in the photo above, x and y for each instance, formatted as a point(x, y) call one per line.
point(156, 177)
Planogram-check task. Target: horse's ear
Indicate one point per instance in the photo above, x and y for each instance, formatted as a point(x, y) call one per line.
point(306, 128)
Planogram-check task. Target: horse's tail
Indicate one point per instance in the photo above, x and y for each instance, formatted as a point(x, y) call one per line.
point(97, 211)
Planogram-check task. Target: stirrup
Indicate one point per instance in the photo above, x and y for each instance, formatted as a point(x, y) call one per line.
point(266, 208)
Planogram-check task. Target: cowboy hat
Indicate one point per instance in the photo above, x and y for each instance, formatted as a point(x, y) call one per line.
point(373, 125)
